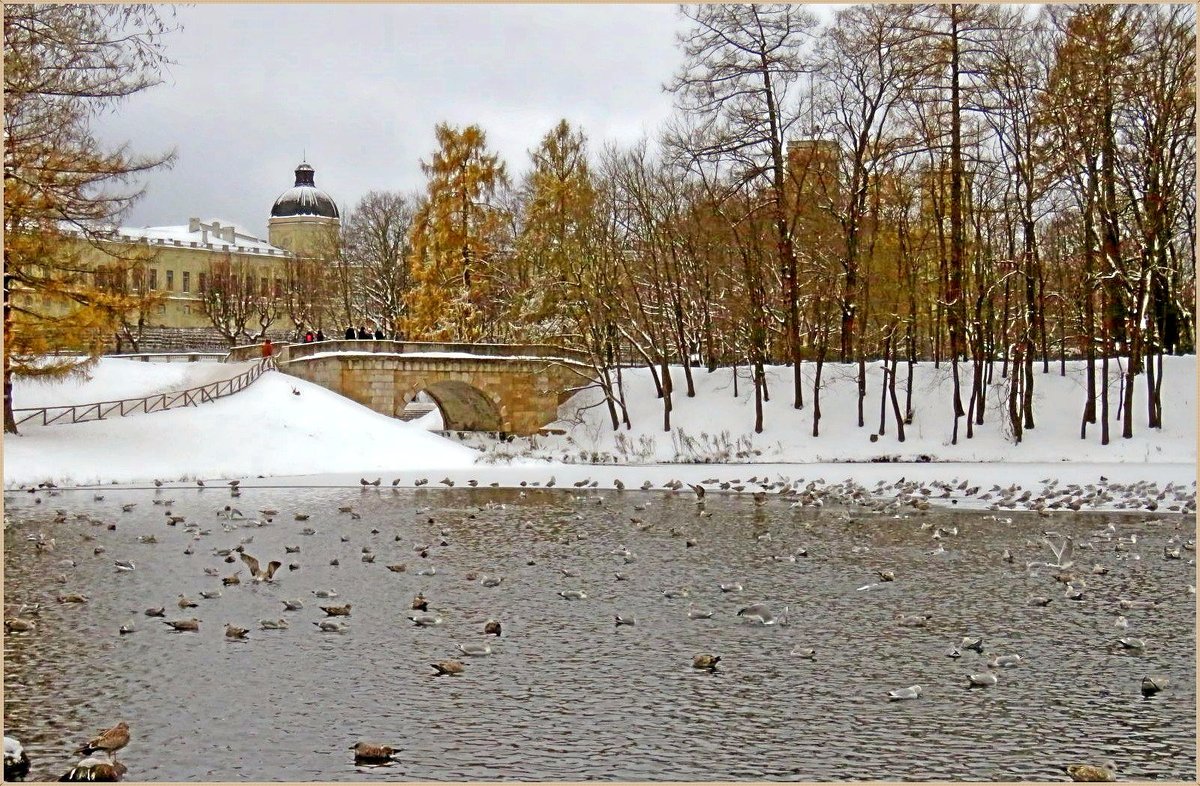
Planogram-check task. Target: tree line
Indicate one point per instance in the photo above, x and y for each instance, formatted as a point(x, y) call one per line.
point(987, 188)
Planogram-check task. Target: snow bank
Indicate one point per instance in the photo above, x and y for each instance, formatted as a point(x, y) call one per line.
point(263, 430)
point(716, 426)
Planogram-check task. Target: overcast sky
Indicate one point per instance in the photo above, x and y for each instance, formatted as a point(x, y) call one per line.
point(359, 88)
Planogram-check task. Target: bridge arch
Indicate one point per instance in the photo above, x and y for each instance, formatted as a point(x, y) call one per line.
point(464, 407)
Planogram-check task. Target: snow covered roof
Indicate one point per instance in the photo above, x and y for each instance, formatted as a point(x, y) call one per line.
point(213, 233)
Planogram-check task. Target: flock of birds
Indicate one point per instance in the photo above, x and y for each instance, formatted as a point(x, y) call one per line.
point(1064, 562)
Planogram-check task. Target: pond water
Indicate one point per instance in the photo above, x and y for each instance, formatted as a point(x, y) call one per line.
point(568, 695)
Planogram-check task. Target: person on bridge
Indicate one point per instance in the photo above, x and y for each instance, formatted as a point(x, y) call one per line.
point(350, 336)
point(363, 335)
point(320, 335)
point(309, 337)
point(379, 333)
point(267, 349)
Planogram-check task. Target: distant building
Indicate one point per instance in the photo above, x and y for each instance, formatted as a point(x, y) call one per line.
point(179, 259)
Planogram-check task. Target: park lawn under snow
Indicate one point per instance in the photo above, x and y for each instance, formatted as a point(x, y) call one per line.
point(264, 430)
point(269, 431)
point(714, 426)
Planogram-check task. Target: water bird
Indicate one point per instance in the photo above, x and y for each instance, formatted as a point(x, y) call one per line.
point(234, 632)
point(331, 626)
point(110, 740)
point(760, 613)
point(16, 761)
point(210, 594)
point(1092, 773)
point(279, 624)
point(953, 652)
point(901, 694)
point(886, 575)
point(425, 620)
point(127, 628)
point(731, 587)
point(420, 481)
point(807, 653)
point(370, 753)
point(673, 594)
point(337, 611)
point(984, 680)
point(1004, 661)
point(491, 581)
point(190, 625)
point(293, 605)
point(187, 603)
point(161, 611)
point(398, 568)
point(1137, 604)
point(448, 667)
point(624, 620)
point(694, 613)
point(1152, 685)
point(491, 628)
point(707, 662)
point(972, 643)
point(99, 766)
point(573, 594)
point(1132, 643)
point(420, 603)
point(1039, 600)
point(430, 571)
point(17, 625)
point(1062, 553)
point(474, 649)
point(325, 593)
point(230, 581)
point(1121, 622)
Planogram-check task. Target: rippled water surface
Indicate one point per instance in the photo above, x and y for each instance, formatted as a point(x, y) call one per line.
point(567, 695)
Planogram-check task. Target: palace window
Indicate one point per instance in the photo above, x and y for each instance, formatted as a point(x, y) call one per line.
point(153, 278)
point(263, 287)
point(187, 281)
point(279, 287)
point(201, 282)
point(170, 280)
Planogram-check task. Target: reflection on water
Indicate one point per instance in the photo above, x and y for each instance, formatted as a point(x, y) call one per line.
point(567, 694)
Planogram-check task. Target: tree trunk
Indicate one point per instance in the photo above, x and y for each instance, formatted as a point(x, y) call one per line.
point(900, 420)
point(816, 429)
point(10, 421)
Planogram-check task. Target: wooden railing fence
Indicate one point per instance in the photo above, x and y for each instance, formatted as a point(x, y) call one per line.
point(160, 402)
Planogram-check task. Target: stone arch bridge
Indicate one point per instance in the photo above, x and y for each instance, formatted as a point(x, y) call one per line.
point(510, 388)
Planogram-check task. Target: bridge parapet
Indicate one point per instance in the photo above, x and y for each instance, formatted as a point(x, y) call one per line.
point(512, 351)
point(514, 388)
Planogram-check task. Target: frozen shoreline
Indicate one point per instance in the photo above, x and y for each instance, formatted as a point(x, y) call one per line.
point(1131, 486)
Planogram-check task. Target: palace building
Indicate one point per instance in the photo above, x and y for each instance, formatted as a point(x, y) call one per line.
point(179, 260)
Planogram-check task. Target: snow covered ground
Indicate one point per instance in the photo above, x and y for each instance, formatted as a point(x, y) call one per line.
point(715, 426)
point(271, 432)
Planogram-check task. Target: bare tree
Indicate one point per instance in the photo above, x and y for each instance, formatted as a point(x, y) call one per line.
point(376, 237)
point(741, 63)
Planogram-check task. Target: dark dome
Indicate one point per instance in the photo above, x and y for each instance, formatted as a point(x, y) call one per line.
point(304, 199)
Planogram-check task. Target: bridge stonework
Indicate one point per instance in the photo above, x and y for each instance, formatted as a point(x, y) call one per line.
point(516, 395)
